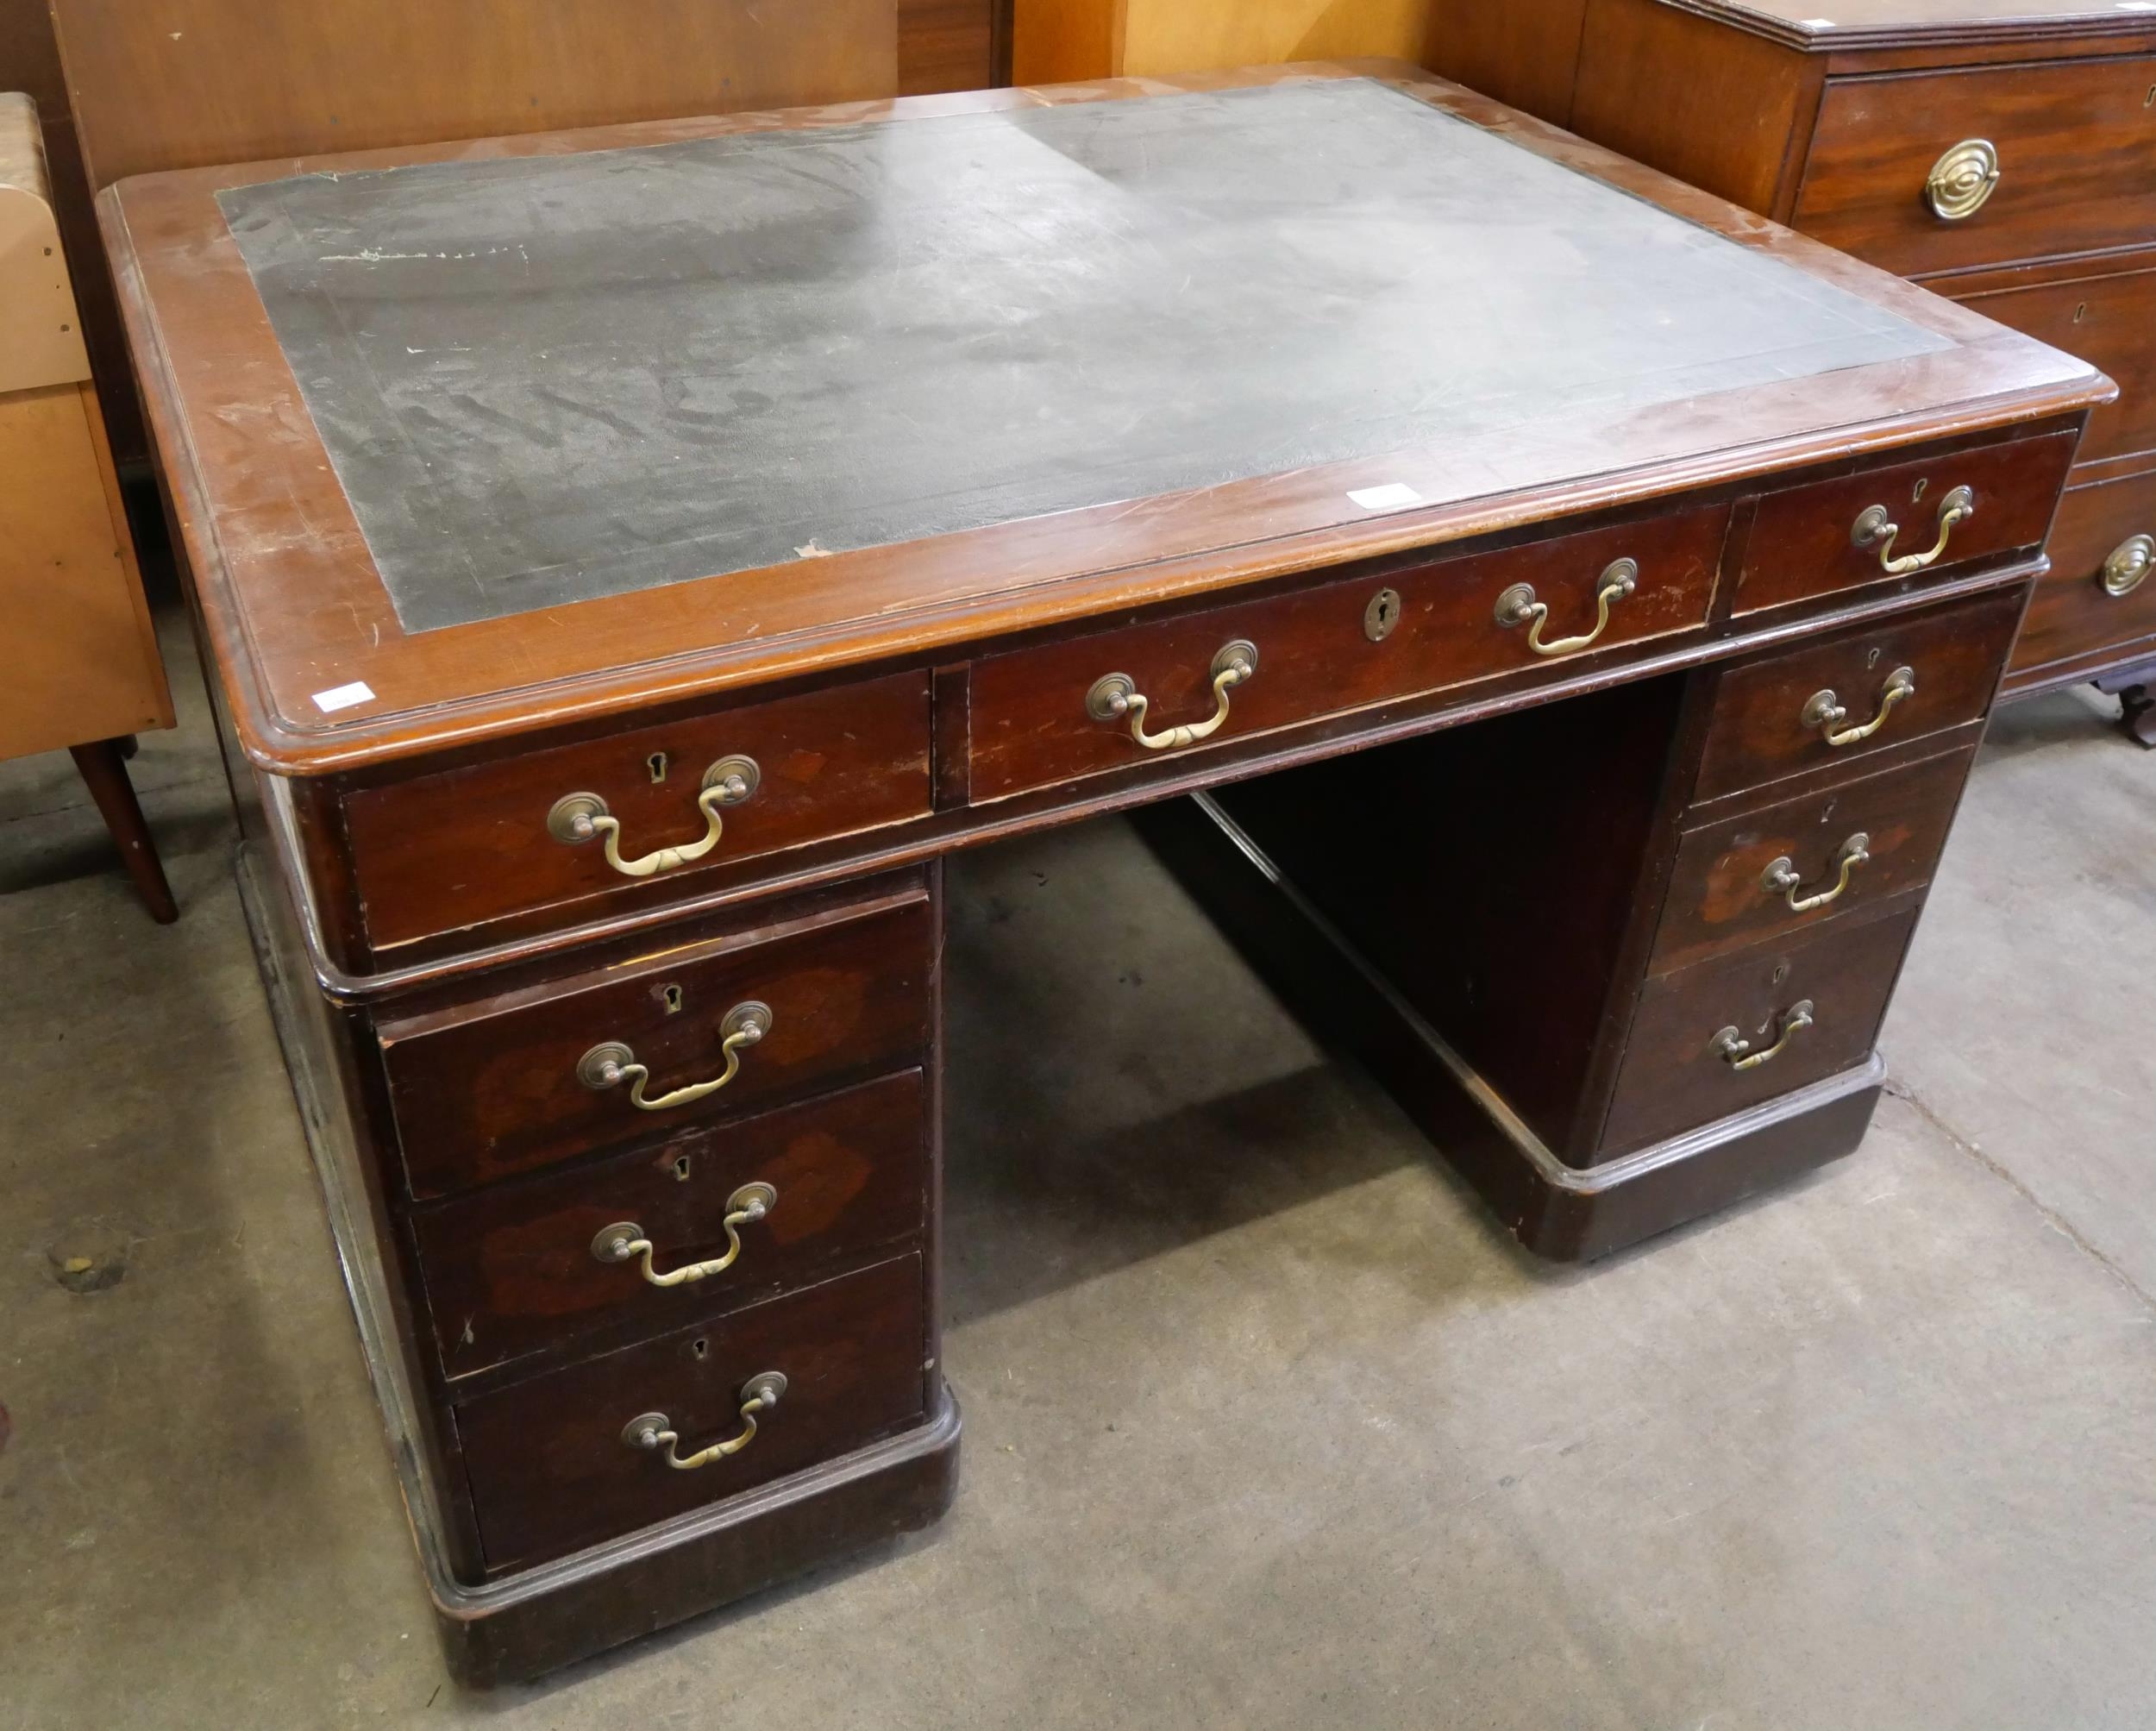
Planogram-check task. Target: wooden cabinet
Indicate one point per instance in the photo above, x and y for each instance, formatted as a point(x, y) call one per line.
point(2003, 156)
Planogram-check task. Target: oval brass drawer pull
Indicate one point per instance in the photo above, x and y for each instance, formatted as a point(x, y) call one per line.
point(610, 1063)
point(1518, 606)
point(625, 1239)
point(2127, 565)
point(576, 818)
point(1823, 710)
point(653, 1431)
point(1962, 180)
point(1733, 1050)
point(1781, 879)
point(1874, 528)
point(1116, 695)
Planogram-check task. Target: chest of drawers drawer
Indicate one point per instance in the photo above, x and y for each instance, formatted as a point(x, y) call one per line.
point(535, 1076)
point(1712, 1039)
point(1797, 865)
point(2100, 594)
point(1094, 704)
point(1835, 702)
point(2108, 319)
point(588, 1452)
point(662, 804)
point(706, 1219)
point(1936, 171)
point(1902, 522)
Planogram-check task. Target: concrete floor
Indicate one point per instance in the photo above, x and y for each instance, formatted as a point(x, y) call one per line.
point(1267, 1423)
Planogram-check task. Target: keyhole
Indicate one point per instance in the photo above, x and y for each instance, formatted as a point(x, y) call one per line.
point(1918, 493)
point(699, 1348)
point(1871, 661)
point(2081, 312)
point(671, 997)
point(656, 764)
point(1827, 815)
point(682, 1168)
point(2149, 100)
point(1780, 972)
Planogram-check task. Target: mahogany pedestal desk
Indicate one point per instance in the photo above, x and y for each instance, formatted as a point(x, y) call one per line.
point(630, 560)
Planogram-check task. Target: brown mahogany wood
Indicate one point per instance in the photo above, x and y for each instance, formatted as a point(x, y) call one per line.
point(1030, 726)
point(2073, 616)
point(439, 852)
point(1801, 544)
point(510, 1270)
point(1676, 1077)
point(1760, 732)
point(489, 1088)
point(1502, 829)
point(1719, 900)
point(549, 1470)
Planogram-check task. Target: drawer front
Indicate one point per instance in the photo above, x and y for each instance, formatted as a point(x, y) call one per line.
point(2101, 593)
point(1791, 868)
point(550, 1471)
point(1323, 650)
point(1696, 1028)
point(482, 1091)
point(2075, 143)
point(1826, 536)
point(442, 852)
point(528, 1268)
point(2110, 322)
point(1770, 721)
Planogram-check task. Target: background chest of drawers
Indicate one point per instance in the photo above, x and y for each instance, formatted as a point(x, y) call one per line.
point(2004, 157)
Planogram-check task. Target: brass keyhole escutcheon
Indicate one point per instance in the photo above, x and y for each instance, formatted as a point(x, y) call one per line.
point(671, 998)
point(656, 764)
point(1382, 615)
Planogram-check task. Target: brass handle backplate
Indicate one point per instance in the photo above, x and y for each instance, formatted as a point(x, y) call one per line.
point(653, 1431)
point(1875, 528)
point(1733, 1050)
point(1824, 710)
point(576, 818)
point(1518, 606)
point(1962, 180)
point(625, 1239)
point(1115, 697)
point(2128, 565)
point(610, 1063)
point(1781, 877)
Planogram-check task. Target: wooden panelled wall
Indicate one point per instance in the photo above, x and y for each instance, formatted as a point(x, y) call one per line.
point(190, 82)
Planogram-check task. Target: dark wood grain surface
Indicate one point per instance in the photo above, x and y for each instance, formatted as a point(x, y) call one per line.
point(1759, 733)
point(1801, 544)
point(489, 1087)
point(1717, 902)
point(509, 1270)
point(2072, 616)
point(549, 1469)
point(1673, 1078)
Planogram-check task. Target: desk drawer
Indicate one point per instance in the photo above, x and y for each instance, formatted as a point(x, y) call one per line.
point(2075, 144)
point(519, 1080)
point(1036, 717)
point(2100, 592)
point(1775, 717)
point(1794, 867)
point(2110, 322)
point(551, 1470)
point(515, 1269)
point(442, 852)
point(1804, 540)
point(1821, 996)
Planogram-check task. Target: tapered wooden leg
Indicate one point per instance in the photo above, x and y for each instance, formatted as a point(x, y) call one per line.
point(104, 766)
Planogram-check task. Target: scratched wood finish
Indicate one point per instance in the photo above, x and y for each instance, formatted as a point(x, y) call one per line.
point(483, 1090)
point(2077, 145)
point(509, 1270)
point(1717, 900)
point(2108, 319)
point(1673, 1078)
point(438, 853)
point(1758, 732)
point(1030, 726)
point(2071, 617)
point(549, 1470)
point(1801, 546)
